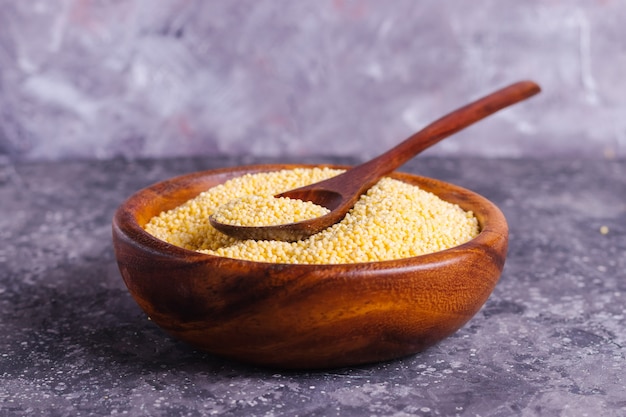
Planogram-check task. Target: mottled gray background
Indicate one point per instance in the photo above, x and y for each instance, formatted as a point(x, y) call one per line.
point(101, 79)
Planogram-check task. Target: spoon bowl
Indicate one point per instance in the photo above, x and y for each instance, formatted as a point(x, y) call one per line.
point(340, 193)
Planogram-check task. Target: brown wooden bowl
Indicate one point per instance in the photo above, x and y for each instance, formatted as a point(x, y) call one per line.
point(305, 316)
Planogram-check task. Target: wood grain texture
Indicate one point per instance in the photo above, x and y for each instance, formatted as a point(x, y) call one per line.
point(305, 316)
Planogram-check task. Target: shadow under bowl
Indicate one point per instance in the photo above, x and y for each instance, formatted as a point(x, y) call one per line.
point(305, 316)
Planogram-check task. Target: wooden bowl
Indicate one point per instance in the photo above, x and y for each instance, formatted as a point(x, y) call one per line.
point(305, 316)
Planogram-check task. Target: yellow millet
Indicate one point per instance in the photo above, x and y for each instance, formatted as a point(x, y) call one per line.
point(393, 220)
point(253, 210)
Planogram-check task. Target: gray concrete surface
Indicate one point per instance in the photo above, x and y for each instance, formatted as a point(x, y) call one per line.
point(550, 341)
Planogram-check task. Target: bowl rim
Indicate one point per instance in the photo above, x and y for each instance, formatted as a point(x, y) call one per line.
point(125, 225)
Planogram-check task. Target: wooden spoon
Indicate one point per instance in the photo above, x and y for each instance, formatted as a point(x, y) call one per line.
point(340, 193)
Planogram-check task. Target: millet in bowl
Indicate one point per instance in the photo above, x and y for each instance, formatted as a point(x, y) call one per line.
point(394, 220)
point(409, 265)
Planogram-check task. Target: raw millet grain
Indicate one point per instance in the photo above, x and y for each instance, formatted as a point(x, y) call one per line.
point(393, 220)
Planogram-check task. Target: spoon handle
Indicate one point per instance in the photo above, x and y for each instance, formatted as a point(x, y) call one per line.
point(444, 127)
point(361, 178)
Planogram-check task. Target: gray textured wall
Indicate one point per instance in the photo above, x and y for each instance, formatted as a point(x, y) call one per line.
point(83, 78)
